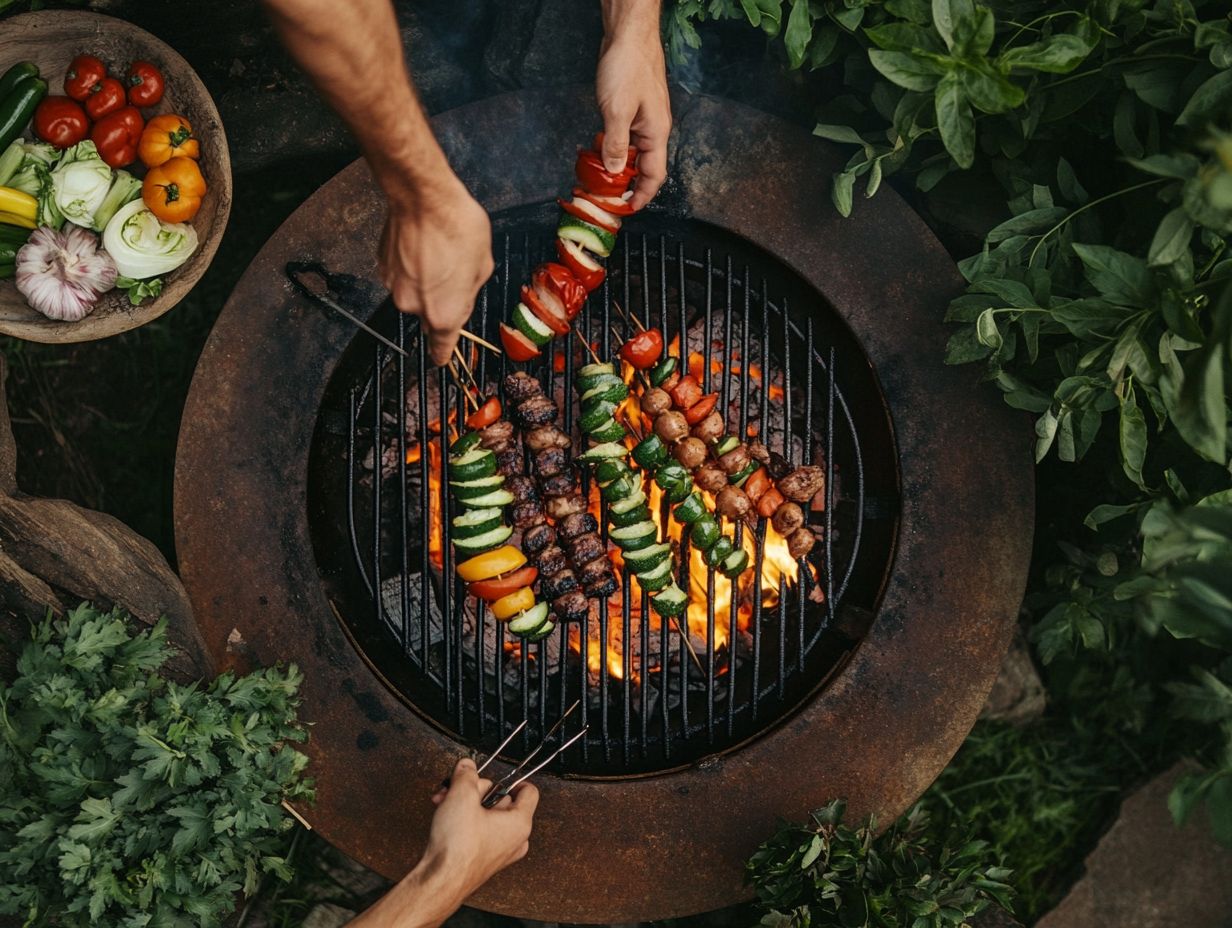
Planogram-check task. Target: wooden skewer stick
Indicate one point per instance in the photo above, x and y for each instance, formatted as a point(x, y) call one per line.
point(471, 336)
point(629, 317)
point(470, 375)
point(467, 399)
point(598, 360)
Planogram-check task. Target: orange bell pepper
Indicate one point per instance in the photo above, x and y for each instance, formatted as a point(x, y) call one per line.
point(174, 189)
point(166, 137)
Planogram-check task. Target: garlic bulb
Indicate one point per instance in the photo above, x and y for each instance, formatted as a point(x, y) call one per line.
point(62, 274)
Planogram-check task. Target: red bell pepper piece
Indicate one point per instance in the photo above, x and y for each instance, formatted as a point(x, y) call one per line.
point(687, 392)
point(589, 278)
point(617, 206)
point(548, 316)
point(574, 210)
point(643, 349)
point(701, 409)
point(630, 158)
point(595, 177)
point(560, 281)
point(517, 345)
point(485, 415)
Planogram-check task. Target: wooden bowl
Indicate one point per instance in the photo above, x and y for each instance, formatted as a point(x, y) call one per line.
point(51, 39)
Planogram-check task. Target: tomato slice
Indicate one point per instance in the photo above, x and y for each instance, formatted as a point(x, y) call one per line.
point(698, 411)
point(495, 588)
point(643, 349)
point(617, 206)
point(557, 323)
point(485, 415)
point(517, 345)
point(588, 277)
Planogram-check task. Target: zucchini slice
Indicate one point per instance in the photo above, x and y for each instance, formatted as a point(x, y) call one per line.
point(636, 536)
point(726, 443)
point(526, 322)
point(622, 487)
point(614, 391)
point(475, 522)
point(658, 577)
point(596, 415)
point(650, 453)
point(629, 503)
point(636, 514)
point(704, 533)
point(473, 465)
point(597, 453)
point(591, 374)
point(464, 443)
point(661, 371)
point(737, 563)
point(477, 544)
point(722, 550)
point(611, 430)
point(529, 620)
point(691, 509)
point(541, 632)
point(649, 558)
point(610, 469)
point(500, 497)
point(468, 489)
point(671, 602)
point(588, 235)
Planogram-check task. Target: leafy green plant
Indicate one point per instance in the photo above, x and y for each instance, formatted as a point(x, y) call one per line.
point(827, 873)
point(127, 799)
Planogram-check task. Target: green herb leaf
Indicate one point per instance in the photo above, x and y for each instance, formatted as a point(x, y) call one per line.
point(914, 72)
point(799, 32)
point(955, 120)
point(1209, 101)
point(1059, 54)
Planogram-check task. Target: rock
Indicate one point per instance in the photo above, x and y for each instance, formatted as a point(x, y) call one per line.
point(1147, 873)
point(327, 915)
point(1017, 696)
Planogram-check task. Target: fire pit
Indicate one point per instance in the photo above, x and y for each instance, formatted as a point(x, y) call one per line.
point(308, 517)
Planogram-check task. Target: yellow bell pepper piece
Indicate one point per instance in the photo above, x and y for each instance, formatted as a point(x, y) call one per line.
point(19, 203)
point(12, 219)
point(490, 563)
point(518, 601)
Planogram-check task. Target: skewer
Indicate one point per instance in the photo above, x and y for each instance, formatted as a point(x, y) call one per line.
point(498, 794)
point(586, 344)
point(466, 393)
point(629, 317)
point(472, 337)
point(470, 375)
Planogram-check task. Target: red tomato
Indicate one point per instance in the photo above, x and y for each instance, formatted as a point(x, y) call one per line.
point(643, 349)
point(687, 392)
point(145, 84)
point(701, 409)
point(84, 73)
point(617, 206)
point(485, 415)
point(559, 280)
point(594, 176)
point(631, 158)
point(118, 135)
point(61, 122)
point(517, 345)
point(493, 589)
point(549, 317)
point(107, 98)
point(590, 278)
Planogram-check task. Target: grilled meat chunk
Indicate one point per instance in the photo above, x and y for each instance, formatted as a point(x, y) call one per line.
point(499, 431)
point(562, 484)
point(551, 462)
point(690, 453)
point(603, 584)
point(551, 560)
point(521, 386)
point(560, 506)
point(655, 401)
point(760, 453)
point(787, 518)
point(801, 542)
point(572, 607)
point(536, 539)
point(509, 461)
point(671, 426)
point(803, 483)
point(710, 479)
point(735, 460)
point(538, 410)
point(710, 429)
point(585, 548)
point(523, 488)
point(779, 467)
point(558, 584)
point(579, 523)
point(526, 515)
point(547, 436)
point(733, 503)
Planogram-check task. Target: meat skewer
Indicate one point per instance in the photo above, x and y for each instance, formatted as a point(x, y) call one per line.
point(576, 549)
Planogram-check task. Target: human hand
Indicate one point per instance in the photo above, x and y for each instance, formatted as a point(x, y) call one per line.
point(473, 843)
point(631, 90)
point(435, 254)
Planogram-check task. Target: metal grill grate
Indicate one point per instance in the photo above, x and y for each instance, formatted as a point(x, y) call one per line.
point(669, 703)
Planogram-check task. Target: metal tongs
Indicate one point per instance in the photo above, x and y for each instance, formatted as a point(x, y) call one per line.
point(519, 774)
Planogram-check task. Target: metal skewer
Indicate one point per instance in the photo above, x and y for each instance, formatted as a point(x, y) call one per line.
point(296, 268)
point(500, 792)
point(491, 757)
point(539, 747)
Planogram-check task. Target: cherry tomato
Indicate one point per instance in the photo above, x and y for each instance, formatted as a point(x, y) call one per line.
point(586, 217)
point(517, 345)
point(548, 316)
point(60, 121)
point(145, 84)
point(631, 158)
point(588, 277)
point(595, 177)
point(493, 589)
point(485, 415)
point(107, 98)
point(559, 281)
point(687, 392)
point(117, 136)
point(643, 349)
point(617, 206)
point(83, 75)
point(701, 409)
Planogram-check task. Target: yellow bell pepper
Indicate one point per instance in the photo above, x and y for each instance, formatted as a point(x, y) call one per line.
point(18, 203)
point(490, 563)
point(518, 601)
point(12, 219)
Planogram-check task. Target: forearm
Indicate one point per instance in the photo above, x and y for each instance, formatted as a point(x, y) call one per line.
point(424, 898)
point(639, 17)
point(354, 58)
